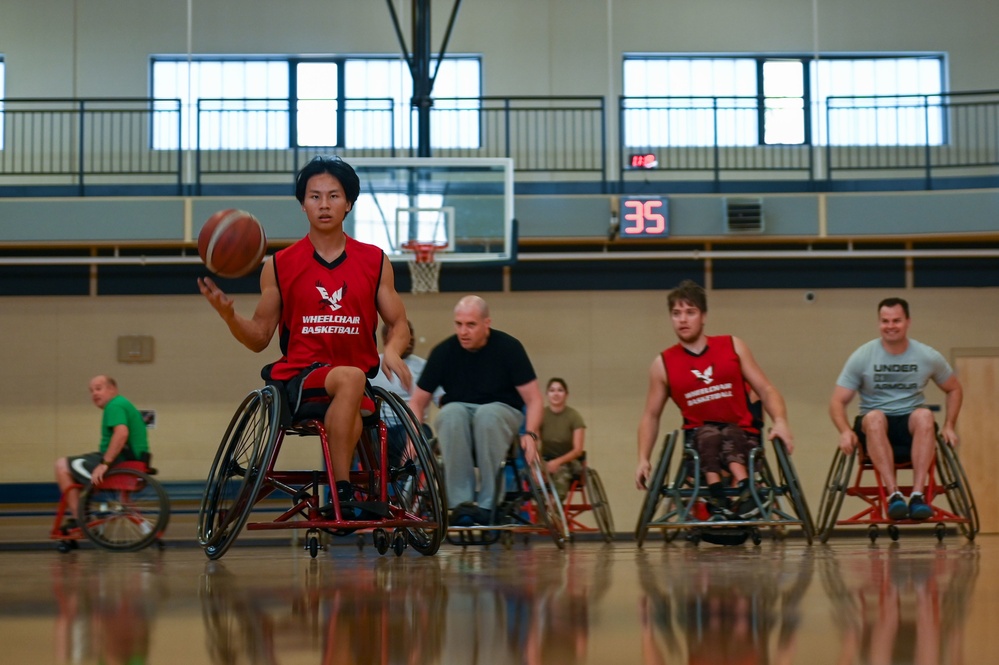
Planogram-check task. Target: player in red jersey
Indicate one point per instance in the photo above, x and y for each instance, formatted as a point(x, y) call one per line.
point(709, 379)
point(325, 292)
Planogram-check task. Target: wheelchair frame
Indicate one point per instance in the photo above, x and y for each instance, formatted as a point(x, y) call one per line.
point(406, 497)
point(586, 493)
point(526, 502)
point(679, 502)
point(952, 482)
point(128, 511)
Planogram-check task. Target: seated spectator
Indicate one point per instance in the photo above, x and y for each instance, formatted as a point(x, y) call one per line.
point(562, 434)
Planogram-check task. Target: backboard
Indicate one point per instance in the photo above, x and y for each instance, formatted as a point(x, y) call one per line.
point(464, 204)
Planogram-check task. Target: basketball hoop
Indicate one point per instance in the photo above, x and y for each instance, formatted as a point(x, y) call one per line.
point(424, 271)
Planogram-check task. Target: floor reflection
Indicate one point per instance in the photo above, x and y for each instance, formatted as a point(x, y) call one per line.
point(897, 606)
point(784, 602)
point(725, 607)
point(105, 613)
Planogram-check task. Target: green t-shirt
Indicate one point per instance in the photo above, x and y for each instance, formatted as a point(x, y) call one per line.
point(557, 429)
point(119, 411)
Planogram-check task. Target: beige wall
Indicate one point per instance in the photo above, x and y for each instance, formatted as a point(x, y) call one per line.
point(600, 342)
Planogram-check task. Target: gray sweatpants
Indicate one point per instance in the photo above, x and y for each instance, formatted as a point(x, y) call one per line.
point(470, 436)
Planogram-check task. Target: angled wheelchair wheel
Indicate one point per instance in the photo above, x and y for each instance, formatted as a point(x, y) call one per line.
point(955, 483)
point(596, 497)
point(656, 492)
point(792, 486)
point(546, 500)
point(414, 482)
point(127, 512)
point(238, 471)
point(833, 493)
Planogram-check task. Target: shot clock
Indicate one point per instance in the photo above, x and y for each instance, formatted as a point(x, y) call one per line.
point(644, 217)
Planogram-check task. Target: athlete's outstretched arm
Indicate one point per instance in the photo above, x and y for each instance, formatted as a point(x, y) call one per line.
point(255, 333)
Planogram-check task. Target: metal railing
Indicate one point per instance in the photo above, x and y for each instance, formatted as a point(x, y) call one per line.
point(74, 145)
point(887, 136)
point(85, 141)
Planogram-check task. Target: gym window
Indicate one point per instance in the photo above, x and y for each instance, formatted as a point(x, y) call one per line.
point(277, 103)
point(783, 100)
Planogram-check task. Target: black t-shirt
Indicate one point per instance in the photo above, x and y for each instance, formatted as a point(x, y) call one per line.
point(489, 374)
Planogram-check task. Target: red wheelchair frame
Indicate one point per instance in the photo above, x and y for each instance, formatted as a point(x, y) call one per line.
point(586, 494)
point(127, 511)
point(952, 483)
point(404, 496)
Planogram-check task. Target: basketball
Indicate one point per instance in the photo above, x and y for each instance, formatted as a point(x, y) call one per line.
point(232, 243)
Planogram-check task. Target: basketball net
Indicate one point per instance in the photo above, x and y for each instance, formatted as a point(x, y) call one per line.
point(424, 270)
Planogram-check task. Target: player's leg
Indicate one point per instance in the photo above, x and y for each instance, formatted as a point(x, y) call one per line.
point(707, 441)
point(874, 426)
point(495, 425)
point(345, 386)
point(71, 472)
point(454, 436)
point(923, 433)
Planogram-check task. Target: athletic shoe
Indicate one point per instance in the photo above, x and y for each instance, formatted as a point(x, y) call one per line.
point(745, 504)
point(897, 510)
point(69, 525)
point(918, 508)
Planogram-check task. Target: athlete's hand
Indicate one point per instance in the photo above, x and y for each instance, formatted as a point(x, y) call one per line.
point(642, 474)
point(394, 366)
point(848, 441)
point(97, 475)
point(529, 446)
point(781, 430)
point(949, 435)
point(216, 297)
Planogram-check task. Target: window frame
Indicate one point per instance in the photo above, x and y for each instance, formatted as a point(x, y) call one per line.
point(813, 101)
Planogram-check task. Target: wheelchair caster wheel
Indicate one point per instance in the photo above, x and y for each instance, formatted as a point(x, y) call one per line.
point(757, 538)
point(65, 546)
point(872, 533)
point(940, 530)
point(380, 540)
point(893, 532)
point(399, 542)
point(360, 543)
point(313, 546)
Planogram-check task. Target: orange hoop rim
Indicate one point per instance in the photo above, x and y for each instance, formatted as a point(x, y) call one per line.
point(424, 251)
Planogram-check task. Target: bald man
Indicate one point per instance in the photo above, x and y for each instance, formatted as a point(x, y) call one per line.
point(491, 396)
point(123, 437)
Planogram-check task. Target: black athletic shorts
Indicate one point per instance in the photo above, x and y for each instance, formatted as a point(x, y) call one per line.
point(898, 436)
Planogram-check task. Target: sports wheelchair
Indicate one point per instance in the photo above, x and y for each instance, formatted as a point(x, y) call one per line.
point(526, 502)
point(586, 494)
point(677, 503)
point(946, 477)
point(397, 493)
point(128, 511)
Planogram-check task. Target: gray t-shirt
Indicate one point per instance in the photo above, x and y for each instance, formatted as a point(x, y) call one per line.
point(893, 383)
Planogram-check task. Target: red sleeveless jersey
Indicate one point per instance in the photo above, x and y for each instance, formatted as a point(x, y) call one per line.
point(329, 312)
point(708, 388)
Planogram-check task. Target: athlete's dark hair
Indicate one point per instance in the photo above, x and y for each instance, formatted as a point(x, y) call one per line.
point(337, 168)
point(559, 381)
point(895, 302)
point(689, 292)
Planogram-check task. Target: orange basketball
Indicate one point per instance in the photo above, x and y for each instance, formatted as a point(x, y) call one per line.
point(232, 243)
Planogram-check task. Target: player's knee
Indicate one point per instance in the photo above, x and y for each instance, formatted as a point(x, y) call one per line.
point(874, 421)
point(921, 420)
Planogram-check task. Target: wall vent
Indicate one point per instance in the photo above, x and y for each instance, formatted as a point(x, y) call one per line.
point(744, 215)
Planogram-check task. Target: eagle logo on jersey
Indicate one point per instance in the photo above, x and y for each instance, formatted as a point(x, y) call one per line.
point(331, 300)
point(707, 376)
